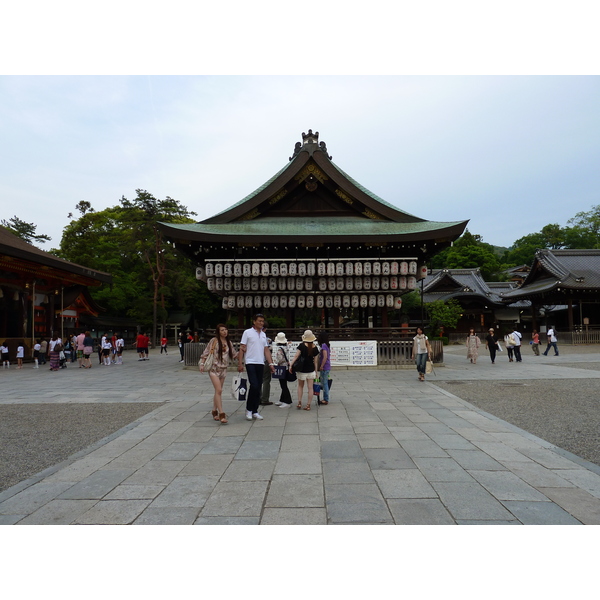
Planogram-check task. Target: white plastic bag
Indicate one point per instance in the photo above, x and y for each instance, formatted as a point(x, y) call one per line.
point(239, 388)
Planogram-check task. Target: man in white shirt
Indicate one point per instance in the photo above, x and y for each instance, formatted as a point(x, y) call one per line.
point(517, 349)
point(255, 348)
point(552, 341)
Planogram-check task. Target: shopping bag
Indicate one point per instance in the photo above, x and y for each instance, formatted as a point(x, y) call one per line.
point(429, 367)
point(239, 388)
point(317, 388)
point(279, 372)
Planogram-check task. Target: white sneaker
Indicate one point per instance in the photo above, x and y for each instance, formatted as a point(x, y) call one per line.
point(278, 403)
point(249, 415)
point(256, 416)
point(284, 405)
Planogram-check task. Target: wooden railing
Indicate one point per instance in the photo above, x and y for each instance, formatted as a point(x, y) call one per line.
point(391, 354)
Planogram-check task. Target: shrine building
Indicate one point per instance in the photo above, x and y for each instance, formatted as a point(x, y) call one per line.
point(312, 239)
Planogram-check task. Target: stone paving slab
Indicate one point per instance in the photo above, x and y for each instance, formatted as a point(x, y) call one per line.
point(387, 450)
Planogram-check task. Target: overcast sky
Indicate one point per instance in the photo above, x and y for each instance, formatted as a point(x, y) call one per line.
point(511, 153)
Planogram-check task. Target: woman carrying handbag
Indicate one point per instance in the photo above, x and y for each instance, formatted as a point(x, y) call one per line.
point(280, 354)
point(421, 350)
point(215, 359)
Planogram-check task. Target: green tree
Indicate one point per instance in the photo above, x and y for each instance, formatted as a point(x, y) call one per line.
point(443, 313)
point(584, 230)
point(26, 231)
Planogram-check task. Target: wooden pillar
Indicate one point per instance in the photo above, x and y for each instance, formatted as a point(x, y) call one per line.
point(570, 314)
point(384, 317)
point(534, 324)
point(336, 317)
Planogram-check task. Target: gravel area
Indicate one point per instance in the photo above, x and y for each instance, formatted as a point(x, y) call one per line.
point(564, 412)
point(37, 436)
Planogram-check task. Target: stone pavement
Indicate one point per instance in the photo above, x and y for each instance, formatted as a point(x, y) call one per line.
point(387, 450)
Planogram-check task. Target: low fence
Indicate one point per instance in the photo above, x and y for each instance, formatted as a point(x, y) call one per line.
point(391, 354)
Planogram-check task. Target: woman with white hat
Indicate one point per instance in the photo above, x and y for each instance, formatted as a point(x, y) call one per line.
point(280, 354)
point(307, 366)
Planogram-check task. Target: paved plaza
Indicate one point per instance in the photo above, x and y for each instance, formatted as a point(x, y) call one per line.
point(387, 450)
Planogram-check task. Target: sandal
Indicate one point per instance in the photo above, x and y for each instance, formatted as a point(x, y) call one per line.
point(223, 418)
point(307, 407)
point(215, 414)
point(299, 406)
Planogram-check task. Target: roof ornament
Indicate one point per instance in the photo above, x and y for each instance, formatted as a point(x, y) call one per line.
point(310, 137)
point(310, 140)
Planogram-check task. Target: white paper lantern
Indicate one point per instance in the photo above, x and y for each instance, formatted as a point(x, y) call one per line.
point(248, 302)
point(355, 301)
point(358, 283)
point(308, 284)
point(283, 301)
point(385, 283)
point(346, 301)
point(292, 301)
point(273, 284)
point(423, 272)
point(339, 269)
point(301, 302)
point(237, 285)
point(328, 302)
point(227, 270)
point(377, 268)
point(225, 302)
point(266, 301)
point(257, 301)
point(358, 270)
point(264, 283)
point(240, 301)
point(299, 283)
point(412, 267)
point(310, 301)
point(231, 302)
point(246, 284)
point(291, 283)
point(254, 284)
point(292, 269)
point(394, 267)
point(330, 269)
point(247, 269)
point(402, 283)
point(265, 270)
point(331, 284)
point(218, 283)
point(210, 269)
point(389, 301)
point(322, 283)
point(385, 268)
point(366, 283)
point(283, 270)
point(403, 268)
point(321, 269)
point(375, 283)
point(337, 301)
point(310, 269)
point(349, 282)
point(381, 301)
point(364, 301)
point(349, 269)
point(411, 282)
point(210, 283)
point(274, 301)
point(255, 270)
point(275, 269)
point(237, 269)
point(320, 301)
point(200, 274)
point(372, 301)
point(397, 302)
point(218, 270)
point(339, 283)
point(302, 269)
point(393, 282)
point(367, 268)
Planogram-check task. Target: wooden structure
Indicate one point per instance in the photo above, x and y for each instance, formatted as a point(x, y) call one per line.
point(312, 240)
point(41, 294)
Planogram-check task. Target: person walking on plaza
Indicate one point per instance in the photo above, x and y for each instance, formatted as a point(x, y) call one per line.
point(255, 349)
point(36, 354)
point(421, 350)
point(280, 354)
point(43, 351)
point(517, 349)
point(79, 345)
point(266, 382)
point(535, 342)
point(552, 341)
point(5, 355)
point(509, 340)
point(140, 340)
point(88, 350)
point(324, 365)
point(180, 342)
point(491, 344)
point(20, 355)
point(307, 356)
point(473, 343)
point(119, 345)
point(55, 349)
point(106, 351)
point(163, 345)
point(221, 349)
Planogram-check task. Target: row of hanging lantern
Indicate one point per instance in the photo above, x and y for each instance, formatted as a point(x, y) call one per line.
point(307, 269)
point(332, 284)
point(327, 301)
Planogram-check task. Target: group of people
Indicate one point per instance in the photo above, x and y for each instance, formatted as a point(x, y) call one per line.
point(260, 357)
point(512, 341)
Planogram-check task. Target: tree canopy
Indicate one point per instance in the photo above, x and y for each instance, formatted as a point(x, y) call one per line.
point(26, 231)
